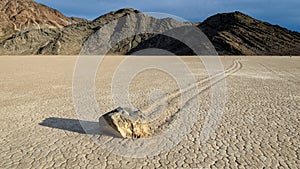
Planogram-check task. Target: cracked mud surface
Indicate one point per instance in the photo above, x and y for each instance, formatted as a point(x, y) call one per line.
point(259, 128)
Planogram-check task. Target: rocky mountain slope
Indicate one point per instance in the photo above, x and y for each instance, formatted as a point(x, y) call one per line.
point(239, 34)
point(70, 39)
point(18, 15)
point(54, 34)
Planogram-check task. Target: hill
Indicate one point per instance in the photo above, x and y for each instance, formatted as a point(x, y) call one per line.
point(29, 28)
point(239, 34)
point(19, 15)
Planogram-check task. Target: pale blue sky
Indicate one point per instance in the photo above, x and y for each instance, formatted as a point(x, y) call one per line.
point(281, 12)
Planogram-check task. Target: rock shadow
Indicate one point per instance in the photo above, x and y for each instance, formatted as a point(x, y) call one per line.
point(81, 126)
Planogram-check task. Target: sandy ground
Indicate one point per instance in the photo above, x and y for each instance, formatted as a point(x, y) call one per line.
point(39, 127)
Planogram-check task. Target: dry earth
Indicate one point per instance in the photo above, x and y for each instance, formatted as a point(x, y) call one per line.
point(39, 127)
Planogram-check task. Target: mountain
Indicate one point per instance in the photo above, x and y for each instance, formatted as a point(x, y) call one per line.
point(52, 33)
point(70, 39)
point(19, 15)
point(239, 34)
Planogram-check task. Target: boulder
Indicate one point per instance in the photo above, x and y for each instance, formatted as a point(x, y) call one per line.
point(130, 124)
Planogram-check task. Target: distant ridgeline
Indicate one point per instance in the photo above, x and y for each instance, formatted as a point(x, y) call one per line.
point(29, 28)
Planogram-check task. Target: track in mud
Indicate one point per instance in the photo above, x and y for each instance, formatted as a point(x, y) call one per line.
point(293, 80)
point(155, 119)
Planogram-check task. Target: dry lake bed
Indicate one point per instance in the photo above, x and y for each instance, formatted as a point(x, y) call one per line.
point(259, 127)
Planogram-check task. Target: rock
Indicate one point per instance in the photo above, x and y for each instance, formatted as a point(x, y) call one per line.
point(128, 124)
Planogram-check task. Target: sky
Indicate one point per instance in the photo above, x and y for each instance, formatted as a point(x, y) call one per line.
point(285, 13)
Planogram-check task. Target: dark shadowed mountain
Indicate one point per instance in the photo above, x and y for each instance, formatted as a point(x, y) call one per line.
point(239, 34)
point(29, 28)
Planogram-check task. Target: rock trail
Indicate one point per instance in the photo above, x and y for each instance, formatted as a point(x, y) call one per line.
point(159, 122)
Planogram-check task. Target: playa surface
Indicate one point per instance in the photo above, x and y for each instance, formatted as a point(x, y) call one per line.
point(259, 127)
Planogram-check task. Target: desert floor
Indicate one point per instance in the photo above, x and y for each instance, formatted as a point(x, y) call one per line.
point(39, 127)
